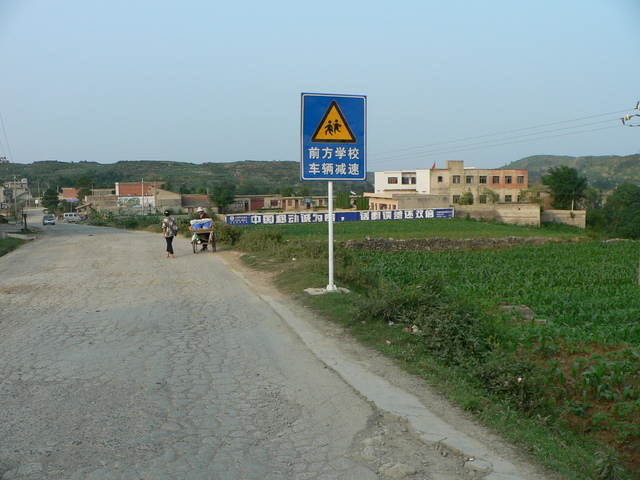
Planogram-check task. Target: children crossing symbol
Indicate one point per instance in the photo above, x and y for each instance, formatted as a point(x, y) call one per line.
point(333, 128)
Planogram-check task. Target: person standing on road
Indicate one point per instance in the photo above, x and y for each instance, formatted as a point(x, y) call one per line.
point(202, 214)
point(169, 230)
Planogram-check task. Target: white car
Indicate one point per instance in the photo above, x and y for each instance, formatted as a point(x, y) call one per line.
point(71, 217)
point(49, 220)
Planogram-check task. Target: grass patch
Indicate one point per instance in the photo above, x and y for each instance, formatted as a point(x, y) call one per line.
point(9, 244)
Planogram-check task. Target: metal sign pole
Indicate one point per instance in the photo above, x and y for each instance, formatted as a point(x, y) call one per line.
point(330, 287)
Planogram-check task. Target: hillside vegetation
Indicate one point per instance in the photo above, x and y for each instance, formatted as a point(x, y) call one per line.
point(251, 177)
point(603, 172)
point(256, 177)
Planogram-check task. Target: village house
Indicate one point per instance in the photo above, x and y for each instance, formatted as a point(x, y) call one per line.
point(17, 191)
point(439, 187)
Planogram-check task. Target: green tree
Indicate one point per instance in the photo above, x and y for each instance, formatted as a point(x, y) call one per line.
point(466, 198)
point(490, 196)
point(343, 200)
point(362, 203)
point(287, 191)
point(223, 194)
point(304, 191)
point(50, 198)
point(84, 185)
point(622, 212)
point(248, 188)
point(566, 186)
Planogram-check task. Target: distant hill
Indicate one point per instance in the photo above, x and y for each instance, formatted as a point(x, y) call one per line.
point(262, 177)
point(256, 177)
point(604, 172)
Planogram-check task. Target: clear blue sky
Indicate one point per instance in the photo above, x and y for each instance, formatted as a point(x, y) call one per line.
point(220, 81)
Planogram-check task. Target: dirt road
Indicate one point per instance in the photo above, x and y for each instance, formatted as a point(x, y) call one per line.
point(118, 363)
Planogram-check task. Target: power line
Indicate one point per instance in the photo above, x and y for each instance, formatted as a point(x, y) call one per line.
point(497, 142)
point(475, 147)
point(501, 133)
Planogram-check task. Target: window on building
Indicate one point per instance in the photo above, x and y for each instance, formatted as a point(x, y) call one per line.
point(507, 179)
point(469, 179)
point(392, 180)
point(456, 199)
point(456, 179)
point(274, 203)
point(413, 180)
point(482, 198)
point(406, 180)
point(482, 179)
point(520, 179)
point(440, 179)
point(495, 179)
point(508, 198)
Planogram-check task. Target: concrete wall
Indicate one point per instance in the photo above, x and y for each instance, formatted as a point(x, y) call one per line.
point(577, 218)
point(511, 213)
point(411, 202)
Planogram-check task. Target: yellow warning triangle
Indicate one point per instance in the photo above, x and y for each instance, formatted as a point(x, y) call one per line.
point(333, 128)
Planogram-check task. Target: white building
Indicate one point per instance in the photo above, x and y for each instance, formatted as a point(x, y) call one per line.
point(441, 187)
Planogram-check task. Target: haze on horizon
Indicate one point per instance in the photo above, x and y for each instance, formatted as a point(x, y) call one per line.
point(212, 81)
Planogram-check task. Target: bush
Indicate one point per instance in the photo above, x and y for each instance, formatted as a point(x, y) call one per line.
point(129, 223)
point(457, 334)
point(389, 303)
point(97, 219)
point(138, 222)
point(260, 240)
point(518, 380)
point(228, 234)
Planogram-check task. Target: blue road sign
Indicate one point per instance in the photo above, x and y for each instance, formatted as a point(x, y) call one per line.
point(333, 143)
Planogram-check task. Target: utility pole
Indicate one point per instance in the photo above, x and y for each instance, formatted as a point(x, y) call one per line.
point(15, 200)
point(626, 119)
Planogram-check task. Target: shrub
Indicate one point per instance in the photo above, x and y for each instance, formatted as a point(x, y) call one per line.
point(97, 219)
point(260, 240)
point(457, 334)
point(228, 234)
point(129, 223)
point(389, 303)
point(518, 380)
point(362, 203)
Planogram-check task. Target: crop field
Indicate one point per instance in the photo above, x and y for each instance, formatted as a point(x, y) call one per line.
point(588, 291)
point(406, 229)
point(588, 299)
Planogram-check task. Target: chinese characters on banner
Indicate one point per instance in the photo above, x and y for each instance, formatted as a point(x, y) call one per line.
point(316, 217)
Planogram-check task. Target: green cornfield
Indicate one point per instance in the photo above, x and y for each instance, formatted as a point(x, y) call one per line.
point(586, 331)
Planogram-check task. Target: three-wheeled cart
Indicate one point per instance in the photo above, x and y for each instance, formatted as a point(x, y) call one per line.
point(206, 236)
